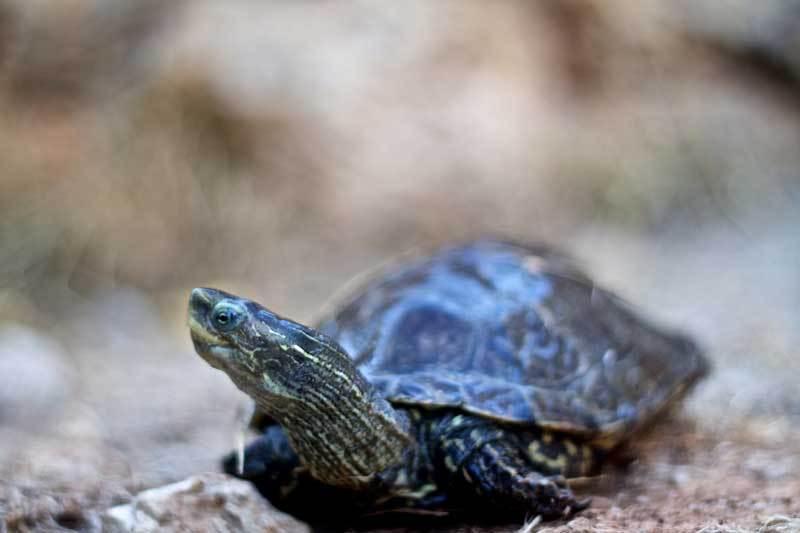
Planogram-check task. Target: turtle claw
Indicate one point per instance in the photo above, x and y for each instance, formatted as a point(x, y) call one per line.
point(581, 505)
point(551, 498)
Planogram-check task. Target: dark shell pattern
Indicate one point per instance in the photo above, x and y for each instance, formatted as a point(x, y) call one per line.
point(516, 334)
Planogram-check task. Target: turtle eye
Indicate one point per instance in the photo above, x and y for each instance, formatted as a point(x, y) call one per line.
point(226, 316)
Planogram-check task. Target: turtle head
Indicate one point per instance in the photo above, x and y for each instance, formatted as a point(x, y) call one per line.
point(220, 323)
point(302, 379)
point(269, 357)
point(240, 337)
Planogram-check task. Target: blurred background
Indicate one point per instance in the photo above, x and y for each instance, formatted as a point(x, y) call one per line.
point(277, 149)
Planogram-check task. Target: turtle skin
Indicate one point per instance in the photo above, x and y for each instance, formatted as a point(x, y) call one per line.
point(515, 370)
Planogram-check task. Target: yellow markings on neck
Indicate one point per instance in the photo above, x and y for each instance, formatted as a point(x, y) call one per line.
point(273, 332)
point(317, 340)
point(327, 366)
point(383, 433)
point(274, 385)
point(338, 451)
point(250, 361)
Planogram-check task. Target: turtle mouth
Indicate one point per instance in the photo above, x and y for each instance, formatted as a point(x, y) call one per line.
point(201, 335)
point(216, 350)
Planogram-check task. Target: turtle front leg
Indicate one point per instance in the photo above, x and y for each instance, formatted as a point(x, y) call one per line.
point(489, 462)
point(275, 469)
point(500, 472)
point(269, 462)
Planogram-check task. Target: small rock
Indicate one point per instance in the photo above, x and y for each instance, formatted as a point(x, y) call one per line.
point(780, 524)
point(576, 525)
point(206, 502)
point(580, 525)
point(680, 476)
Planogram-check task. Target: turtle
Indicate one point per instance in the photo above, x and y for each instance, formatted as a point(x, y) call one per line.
point(483, 376)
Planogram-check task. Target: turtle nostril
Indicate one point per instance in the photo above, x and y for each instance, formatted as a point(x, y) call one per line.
point(200, 302)
point(200, 295)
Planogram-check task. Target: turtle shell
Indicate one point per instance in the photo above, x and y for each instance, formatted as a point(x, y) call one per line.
point(516, 334)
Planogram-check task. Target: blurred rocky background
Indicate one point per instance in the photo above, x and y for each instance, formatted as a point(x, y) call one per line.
point(278, 148)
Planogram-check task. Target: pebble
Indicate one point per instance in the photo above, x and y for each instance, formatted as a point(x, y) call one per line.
point(205, 502)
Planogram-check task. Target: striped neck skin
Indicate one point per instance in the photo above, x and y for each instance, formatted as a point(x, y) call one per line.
point(342, 429)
